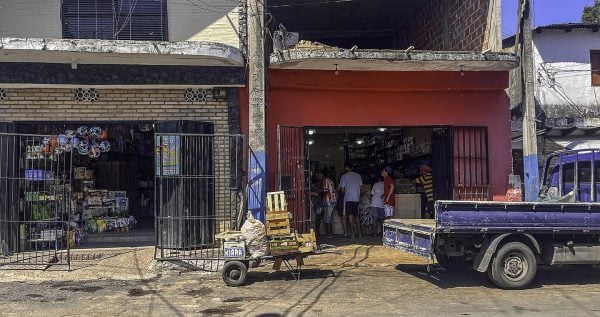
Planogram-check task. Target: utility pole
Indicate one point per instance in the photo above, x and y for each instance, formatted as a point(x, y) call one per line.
point(530, 154)
point(257, 136)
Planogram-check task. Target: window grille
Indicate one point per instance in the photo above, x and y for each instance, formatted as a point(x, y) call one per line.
point(115, 19)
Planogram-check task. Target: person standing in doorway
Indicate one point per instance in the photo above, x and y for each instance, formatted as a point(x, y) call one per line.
point(389, 197)
point(377, 206)
point(328, 201)
point(425, 187)
point(316, 201)
point(350, 184)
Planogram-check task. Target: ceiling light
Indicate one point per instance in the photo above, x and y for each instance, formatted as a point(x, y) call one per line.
point(312, 131)
point(381, 129)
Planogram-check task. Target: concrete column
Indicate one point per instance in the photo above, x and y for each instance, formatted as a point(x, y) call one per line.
point(530, 151)
point(257, 135)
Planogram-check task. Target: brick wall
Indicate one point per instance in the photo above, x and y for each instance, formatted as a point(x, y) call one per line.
point(453, 25)
point(54, 104)
point(51, 104)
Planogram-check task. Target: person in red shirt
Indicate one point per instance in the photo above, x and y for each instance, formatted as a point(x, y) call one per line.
point(389, 198)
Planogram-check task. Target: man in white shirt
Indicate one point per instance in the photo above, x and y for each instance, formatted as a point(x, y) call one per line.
point(350, 184)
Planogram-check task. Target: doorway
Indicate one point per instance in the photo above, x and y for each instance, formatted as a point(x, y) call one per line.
point(456, 155)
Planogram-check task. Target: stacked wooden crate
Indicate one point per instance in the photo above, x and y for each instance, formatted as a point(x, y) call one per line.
point(283, 240)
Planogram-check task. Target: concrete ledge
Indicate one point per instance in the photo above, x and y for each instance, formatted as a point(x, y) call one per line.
point(391, 60)
point(41, 50)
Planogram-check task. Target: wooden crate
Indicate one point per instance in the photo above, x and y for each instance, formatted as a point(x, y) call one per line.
point(307, 242)
point(284, 245)
point(276, 201)
point(277, 215)
point(278, 227)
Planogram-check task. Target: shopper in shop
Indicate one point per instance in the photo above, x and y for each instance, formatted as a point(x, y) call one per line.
point(377, 206)
point(425, 187)
point(350, 184)
point(328, 201)
point(316, 202)
point(389, 197)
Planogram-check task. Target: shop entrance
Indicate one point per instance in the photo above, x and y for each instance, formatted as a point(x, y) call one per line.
point(174, 185)
point(456, 156)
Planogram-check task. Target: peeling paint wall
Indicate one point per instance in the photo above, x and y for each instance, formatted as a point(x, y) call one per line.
point(30, 18)
point(563, 85)
point(207, 20)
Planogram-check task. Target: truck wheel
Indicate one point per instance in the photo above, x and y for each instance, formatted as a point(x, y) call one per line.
point(451, 263)
point(234, 273)
point(513, 267)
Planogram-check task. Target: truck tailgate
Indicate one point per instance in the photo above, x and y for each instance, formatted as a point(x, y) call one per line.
point(414, 236)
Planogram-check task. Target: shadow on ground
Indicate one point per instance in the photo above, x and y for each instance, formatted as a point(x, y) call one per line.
point(568, 275)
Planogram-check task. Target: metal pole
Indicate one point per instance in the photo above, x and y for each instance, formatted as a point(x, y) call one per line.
point(257, 180)
point(530, 154)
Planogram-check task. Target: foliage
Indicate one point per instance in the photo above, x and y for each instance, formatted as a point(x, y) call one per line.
point(591, 14)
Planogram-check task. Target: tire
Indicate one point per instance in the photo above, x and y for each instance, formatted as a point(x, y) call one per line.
point(234, 273)
point(514, 266)
point(452, 263)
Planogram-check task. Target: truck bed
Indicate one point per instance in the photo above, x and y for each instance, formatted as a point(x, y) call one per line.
point(414, 236)
point(417, 236)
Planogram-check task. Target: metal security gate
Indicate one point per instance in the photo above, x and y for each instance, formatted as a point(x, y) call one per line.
point(471, 164)
point(199, 194)
point(292, 173)
point(442, 161)
point(35, 199)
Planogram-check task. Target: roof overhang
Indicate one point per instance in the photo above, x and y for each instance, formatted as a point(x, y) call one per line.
point(78, 51)
point(391, 60)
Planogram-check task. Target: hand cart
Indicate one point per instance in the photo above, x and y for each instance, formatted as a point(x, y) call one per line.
point(235, 270)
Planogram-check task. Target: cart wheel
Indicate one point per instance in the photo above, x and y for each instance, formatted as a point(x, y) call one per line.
point(234, 273)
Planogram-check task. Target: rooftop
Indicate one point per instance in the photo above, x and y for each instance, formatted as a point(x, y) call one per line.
point(391, 60)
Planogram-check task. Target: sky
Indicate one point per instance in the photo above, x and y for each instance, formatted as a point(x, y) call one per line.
point(544, 12)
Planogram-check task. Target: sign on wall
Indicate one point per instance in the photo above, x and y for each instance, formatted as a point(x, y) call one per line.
point(168, 155)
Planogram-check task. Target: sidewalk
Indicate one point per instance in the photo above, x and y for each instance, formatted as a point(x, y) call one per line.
point(137, 263)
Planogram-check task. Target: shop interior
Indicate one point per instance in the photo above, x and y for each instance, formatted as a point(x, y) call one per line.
point(112, 180)
point(370, 150)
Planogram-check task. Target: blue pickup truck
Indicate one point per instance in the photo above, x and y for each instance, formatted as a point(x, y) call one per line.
point(508, 240)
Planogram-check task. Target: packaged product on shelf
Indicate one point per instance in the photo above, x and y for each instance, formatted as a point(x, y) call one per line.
point(122, 203)
point(90, 226)
point(87, 186)
point(101, 225)
point(114, 194)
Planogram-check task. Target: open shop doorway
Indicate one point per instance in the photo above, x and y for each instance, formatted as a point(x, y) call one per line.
point(111, 179)
point(419, 160)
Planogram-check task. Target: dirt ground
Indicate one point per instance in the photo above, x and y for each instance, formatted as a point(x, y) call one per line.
point(364, 280)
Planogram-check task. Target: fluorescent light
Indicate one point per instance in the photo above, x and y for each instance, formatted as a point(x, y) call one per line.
point(381, 129)
point(312, 131)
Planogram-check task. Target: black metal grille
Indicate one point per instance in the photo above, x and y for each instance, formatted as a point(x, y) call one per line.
point(471, 165)
point(35, 200)
point(198, 195)
point(115, 20)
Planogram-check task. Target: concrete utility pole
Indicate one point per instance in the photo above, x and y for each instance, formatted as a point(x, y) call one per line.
point(530, 154)
point(257, 136)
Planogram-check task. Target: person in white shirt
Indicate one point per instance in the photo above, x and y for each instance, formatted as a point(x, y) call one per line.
point(377, 209)
point(350, 184)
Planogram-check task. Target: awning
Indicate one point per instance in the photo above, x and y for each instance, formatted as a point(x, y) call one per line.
point(79, 51)
point(391, 60)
